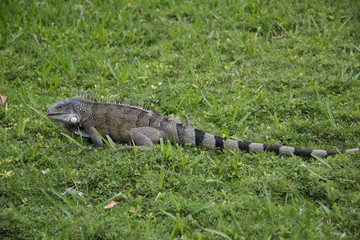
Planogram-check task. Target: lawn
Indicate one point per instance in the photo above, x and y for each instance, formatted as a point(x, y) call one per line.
point(274, 72)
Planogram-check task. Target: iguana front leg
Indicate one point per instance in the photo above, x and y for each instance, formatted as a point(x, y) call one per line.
point(144, 137)
point(93, 134)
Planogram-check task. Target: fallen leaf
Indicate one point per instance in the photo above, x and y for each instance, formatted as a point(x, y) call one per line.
point(3, 99)
point(343, 235)
point(111, 204)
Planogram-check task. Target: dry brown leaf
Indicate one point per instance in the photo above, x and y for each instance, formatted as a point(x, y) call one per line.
point(3, 99)
point(111, 204)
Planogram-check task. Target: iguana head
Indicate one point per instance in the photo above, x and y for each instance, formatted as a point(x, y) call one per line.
point(63, 111)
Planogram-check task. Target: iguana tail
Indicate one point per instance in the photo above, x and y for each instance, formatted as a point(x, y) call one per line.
point(200, 138)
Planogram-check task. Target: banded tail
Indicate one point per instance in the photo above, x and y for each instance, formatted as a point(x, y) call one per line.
point(200, 138)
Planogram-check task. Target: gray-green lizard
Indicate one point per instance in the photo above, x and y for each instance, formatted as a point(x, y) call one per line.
point(126, 123)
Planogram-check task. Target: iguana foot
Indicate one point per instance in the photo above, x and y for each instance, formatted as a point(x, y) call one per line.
point(188, 122)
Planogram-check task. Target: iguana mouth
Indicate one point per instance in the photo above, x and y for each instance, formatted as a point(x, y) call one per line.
point(53, 114)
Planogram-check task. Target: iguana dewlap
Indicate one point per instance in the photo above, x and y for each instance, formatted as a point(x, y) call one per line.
point(126, 123)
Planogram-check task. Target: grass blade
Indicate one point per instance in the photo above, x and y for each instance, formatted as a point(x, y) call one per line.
point(108, 141)
point(73, 140)
point(312, 172)
point(123, 74)
point(175, 227)
point(174, 200)
point(182, 100)
point(322, 160)
point(235, 113)
point(66, 200)
point(111, 142)
point(112, 71)
point(218, 233)
point(147, 233)
point(270, 208)
point(64, 210)
point(330, 116)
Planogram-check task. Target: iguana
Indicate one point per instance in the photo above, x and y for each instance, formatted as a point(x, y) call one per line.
point(126, 123)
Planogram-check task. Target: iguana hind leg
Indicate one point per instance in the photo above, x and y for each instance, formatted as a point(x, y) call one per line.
point(144, 137)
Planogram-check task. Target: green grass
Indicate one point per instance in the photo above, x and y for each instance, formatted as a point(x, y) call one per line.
point(279, 72)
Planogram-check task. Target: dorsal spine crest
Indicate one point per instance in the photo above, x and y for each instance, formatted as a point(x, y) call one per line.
point(87, 98)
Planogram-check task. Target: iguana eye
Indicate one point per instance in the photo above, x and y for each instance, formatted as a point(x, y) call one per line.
point(60, 107)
